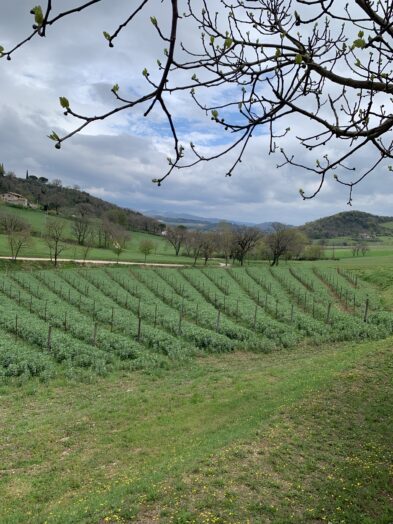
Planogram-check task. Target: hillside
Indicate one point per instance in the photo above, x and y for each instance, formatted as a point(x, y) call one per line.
point(52, 196)
point(349, 223)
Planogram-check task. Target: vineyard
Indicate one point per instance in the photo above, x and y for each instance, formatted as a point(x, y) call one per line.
point(92, 321)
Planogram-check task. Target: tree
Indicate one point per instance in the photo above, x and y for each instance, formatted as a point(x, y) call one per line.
point(194, 241)
point(18, 233)
point(119, 239)
point(244, 240)
point(54, 201)
point(2, 170)
point(208, 245)
point(297, 245)
point(56, 182)
point(146, 247)
point(279, 242)
point(176, 236)
point(364, 248)
point(323, 62)
point(225, 240)
point(313, 252)
point(81, 228)
point(54, 238)
point(88, 244)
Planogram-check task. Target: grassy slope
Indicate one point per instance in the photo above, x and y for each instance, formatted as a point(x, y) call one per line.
point(230, 438)
point(163, 253)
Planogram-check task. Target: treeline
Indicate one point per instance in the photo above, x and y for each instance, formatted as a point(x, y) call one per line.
point(235, 244)
point(71, 201)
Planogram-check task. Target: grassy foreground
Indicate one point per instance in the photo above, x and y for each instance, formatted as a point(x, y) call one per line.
point(295, 436)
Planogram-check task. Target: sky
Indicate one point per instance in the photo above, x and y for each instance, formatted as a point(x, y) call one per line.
point(116, 159)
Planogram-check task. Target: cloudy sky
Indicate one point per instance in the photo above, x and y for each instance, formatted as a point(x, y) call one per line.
point(117, 159)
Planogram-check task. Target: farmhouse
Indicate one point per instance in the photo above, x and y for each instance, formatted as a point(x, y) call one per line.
point(15, 198)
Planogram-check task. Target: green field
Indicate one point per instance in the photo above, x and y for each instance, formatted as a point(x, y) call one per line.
point(163, 252)
point(197, 395)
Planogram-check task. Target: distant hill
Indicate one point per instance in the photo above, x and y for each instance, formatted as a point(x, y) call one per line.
point(267, 227)
point(203, 223)
point(349, 223)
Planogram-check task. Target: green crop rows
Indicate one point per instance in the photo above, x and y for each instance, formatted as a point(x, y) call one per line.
point(90, 321)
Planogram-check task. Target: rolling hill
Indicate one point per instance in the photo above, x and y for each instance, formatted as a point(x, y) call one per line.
point(349, 223)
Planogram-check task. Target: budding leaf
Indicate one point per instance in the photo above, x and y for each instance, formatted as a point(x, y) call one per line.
point(228, 42)
point(115, 88)
point(215, 113)
point(153, 20)
point(1, 51)
point(54, 136)
point(298, 59)
point(38, 15)
point(64, 102)
point(145, 73)
point(106, 35)
point(359, 43)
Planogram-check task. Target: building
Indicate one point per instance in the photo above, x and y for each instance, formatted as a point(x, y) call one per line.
point(15, 198)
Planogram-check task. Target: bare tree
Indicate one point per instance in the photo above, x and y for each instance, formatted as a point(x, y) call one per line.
point(244, 240)
point(119, 239)
point(195, 240)
point(18, 233)
point(88, 244)
point(146, 247)
point(55, 201)
point(225, 240)
point(364, 248)
point(324, 61)
point(208, 245)
point(279, 242)
point(176, 236)
point(54, 238)
point(81, 228)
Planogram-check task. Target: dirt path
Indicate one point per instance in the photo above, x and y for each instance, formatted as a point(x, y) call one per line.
point(98, 262)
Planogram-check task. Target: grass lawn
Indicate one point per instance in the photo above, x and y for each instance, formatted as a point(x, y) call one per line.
point(164, 252)
point(301, 436)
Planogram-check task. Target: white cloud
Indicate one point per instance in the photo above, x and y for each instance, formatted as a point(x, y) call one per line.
point(116, 159)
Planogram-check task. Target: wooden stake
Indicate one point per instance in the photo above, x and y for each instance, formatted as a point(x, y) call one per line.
point(180, 320)
point(255, 315)
point(139, 329)
point(94, 333)
point(328, 312)
point(366, 310)
point(49, 345)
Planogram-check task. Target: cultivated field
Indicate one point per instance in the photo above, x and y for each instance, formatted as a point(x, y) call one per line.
point(99, 320)
point(243, 395)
